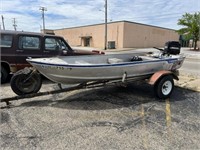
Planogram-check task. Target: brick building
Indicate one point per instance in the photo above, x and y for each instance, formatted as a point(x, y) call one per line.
point(121, 34)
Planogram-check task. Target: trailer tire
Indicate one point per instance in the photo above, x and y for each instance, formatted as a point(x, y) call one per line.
point(164, 87)
point(32, 85)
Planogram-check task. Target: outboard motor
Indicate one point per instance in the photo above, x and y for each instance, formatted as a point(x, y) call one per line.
point(172, 47)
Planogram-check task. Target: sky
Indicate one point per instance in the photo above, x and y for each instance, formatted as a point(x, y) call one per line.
point(75, 13)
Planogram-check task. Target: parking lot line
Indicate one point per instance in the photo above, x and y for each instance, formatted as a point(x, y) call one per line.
point(168, 118)
point(145, 138)
point(168, 113)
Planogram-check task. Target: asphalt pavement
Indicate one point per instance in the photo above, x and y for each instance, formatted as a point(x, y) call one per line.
point(110, 117)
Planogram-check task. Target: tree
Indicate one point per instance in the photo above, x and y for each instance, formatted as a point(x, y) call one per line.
point(191, 26)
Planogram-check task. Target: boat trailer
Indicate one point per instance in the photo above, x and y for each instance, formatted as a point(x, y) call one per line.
point(61, 90)
point(162, 81)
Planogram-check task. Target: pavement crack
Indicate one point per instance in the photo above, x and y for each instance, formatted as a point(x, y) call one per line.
point(119, 126)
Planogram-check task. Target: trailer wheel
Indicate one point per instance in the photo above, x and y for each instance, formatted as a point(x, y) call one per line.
point(25, 83)
point(164, 87)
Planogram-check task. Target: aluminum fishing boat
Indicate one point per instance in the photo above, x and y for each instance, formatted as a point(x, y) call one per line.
point(83, 69)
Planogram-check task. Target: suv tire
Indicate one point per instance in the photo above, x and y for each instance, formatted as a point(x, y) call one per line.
point(4, 75)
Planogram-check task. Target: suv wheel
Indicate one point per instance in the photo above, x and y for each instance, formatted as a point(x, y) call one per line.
point(3, 75)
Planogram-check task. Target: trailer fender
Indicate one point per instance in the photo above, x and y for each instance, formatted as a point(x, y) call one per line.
point(158, 75)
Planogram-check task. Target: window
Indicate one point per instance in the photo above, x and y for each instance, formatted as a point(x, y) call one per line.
point(6, 40)
point(29, 42)
point(55, 44)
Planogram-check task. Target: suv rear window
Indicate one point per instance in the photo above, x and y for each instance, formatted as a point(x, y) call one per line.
point(6, 40)
point(29, 42)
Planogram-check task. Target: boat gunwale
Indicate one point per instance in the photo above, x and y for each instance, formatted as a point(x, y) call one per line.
point(169, 60)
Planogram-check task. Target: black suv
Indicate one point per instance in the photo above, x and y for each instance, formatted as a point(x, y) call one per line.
point(17, 46)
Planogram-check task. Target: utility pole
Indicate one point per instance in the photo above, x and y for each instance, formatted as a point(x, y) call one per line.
point(3, 22)
point(106, 24)
point(14, 24)
point(42, 10)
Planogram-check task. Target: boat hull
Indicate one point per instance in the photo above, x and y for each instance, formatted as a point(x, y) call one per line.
point(60, 69)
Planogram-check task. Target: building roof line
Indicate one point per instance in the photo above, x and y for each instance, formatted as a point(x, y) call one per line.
point(115, 22)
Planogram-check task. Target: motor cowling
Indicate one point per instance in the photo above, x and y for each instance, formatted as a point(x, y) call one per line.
point(172, 47)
